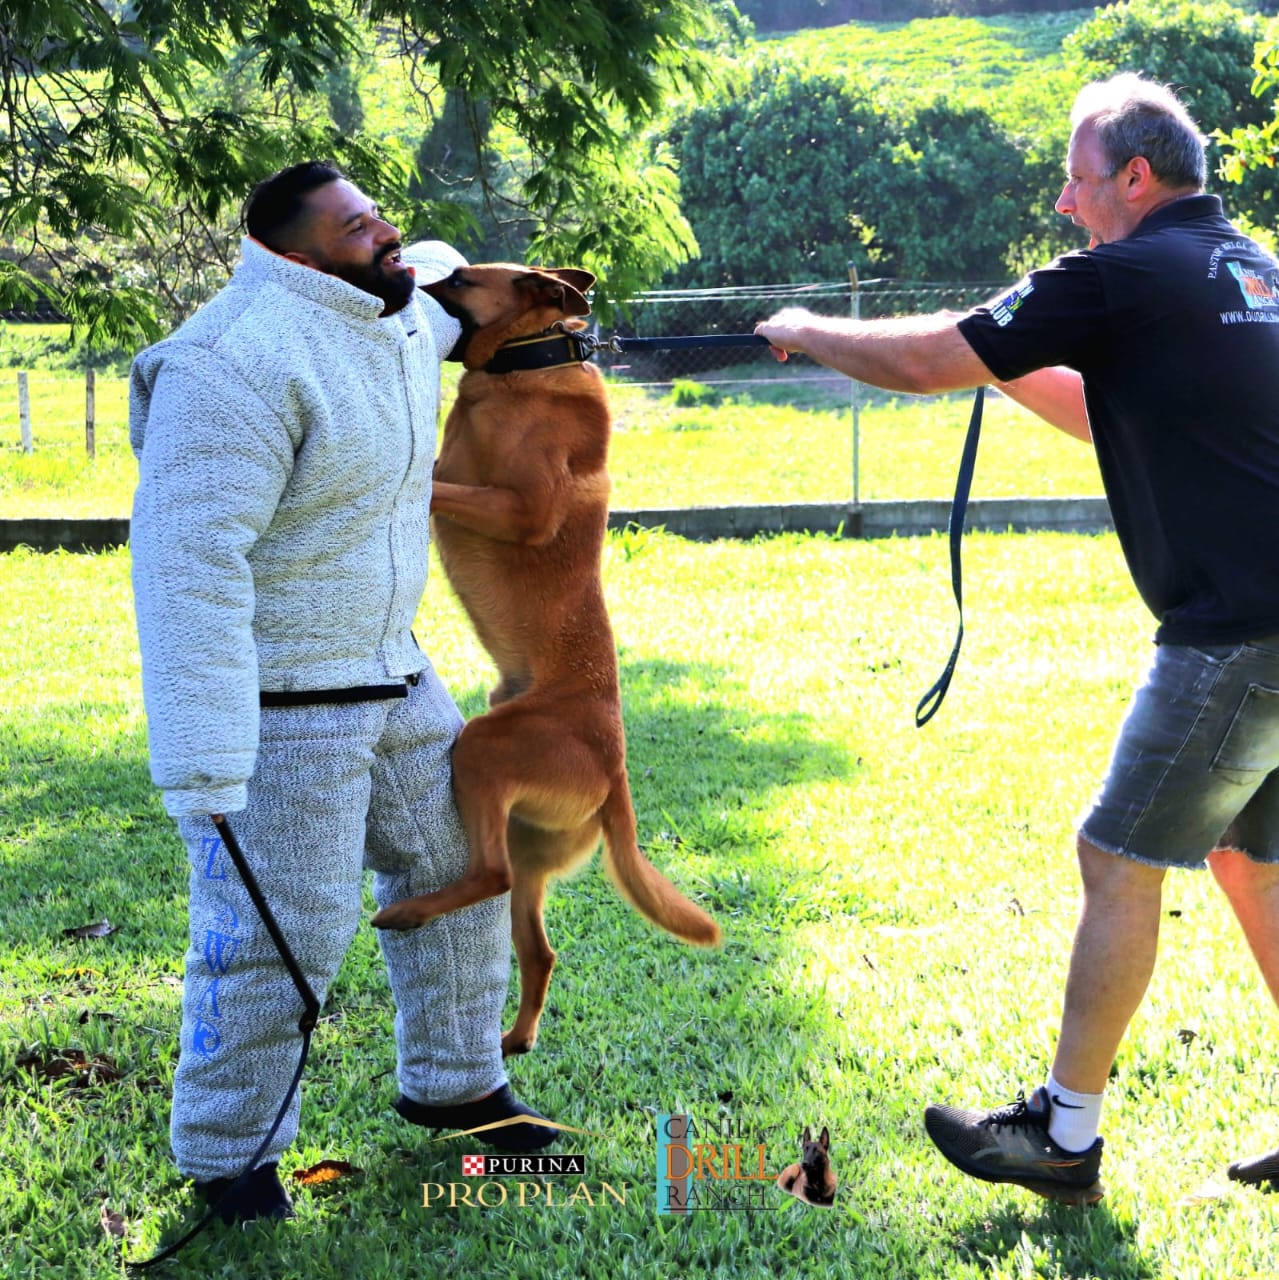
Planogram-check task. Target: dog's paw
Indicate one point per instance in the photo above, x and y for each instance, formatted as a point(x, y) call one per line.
point(511, 1044)
point(399, 915)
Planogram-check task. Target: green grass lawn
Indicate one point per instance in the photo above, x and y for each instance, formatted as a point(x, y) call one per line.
point(754, 446)
point(897, 907)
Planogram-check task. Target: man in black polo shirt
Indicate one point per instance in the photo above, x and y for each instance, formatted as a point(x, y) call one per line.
point(1160, 343)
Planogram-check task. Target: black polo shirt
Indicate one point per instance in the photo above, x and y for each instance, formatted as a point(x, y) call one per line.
point(1175, 331)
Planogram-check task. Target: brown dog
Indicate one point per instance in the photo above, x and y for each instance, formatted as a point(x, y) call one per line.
point(519, 509)
point(812, 1180)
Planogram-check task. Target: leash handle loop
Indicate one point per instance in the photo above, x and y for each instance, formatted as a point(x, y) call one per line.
point(932, 700)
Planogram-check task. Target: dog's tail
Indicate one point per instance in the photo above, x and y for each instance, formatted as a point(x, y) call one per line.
point(642, 884)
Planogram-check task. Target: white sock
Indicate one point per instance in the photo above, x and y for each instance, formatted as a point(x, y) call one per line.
point(1075, 1117)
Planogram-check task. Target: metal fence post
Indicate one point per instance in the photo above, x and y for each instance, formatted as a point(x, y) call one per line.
point(24, 412)
point(855, 305)
point(90, 442)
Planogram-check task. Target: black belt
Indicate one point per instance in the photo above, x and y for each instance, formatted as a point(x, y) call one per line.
point(320, 697)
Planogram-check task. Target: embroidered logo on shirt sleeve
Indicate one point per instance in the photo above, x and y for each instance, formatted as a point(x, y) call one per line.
point(1003, 311)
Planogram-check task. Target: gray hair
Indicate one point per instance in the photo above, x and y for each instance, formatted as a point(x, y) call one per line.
point(1133, 116)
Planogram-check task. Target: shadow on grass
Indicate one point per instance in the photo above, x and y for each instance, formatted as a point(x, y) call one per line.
point(1056, 1240)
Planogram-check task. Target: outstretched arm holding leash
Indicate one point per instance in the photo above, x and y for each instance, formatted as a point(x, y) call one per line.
point(919, 354)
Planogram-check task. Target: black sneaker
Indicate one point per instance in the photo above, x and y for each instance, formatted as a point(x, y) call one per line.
point(1011, 1144)
point(1261, 1172)
point(260, 1195)
point(500, 1120)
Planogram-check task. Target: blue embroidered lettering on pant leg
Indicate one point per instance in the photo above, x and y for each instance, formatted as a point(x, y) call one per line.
point(208, 1002)
point(220, 947)
point(219, 950)
point(214, 866)
point(226, 917)
point(206, 1039)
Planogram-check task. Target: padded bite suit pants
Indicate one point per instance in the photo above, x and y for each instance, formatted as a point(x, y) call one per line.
point(336, 789)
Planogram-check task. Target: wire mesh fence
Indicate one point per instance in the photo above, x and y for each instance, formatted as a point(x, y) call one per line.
point(719, 427)
point(753, 430)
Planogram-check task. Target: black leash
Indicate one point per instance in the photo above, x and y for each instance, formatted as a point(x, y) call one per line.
point(562, 346)
point(306, 1025)
point(621, 345)
point(932, 700)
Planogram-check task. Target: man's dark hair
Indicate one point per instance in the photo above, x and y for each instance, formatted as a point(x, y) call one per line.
point(276, 207)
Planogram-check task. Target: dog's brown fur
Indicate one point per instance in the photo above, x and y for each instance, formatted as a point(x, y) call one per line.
point(812, 1180)
point(519, 509)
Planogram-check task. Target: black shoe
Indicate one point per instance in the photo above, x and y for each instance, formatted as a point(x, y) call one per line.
point(1011, 1144)
point(1261, 1172)
point(260, 1195)
point(500, 1120)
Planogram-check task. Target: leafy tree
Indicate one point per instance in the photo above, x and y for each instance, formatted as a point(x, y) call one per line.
point(110, 155)
point(1202, 49)
point(768, 177)
point(946, 197)
point(788, 175)
point(342, 88)
point(1250, 151)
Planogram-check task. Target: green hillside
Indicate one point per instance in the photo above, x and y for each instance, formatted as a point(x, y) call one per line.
point(978, 59)
point(972, 57)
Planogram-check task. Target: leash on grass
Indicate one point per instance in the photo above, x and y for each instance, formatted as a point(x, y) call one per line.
point(932, 700)
point(306, 1025)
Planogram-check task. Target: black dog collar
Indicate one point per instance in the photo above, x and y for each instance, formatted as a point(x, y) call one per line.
point(550, 350)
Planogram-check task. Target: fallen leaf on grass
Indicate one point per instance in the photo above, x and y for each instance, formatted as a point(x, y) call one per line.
point(324, 1172)
point(81, 977)
point(99, 929)
point(112, 1223)
point(59, 1064)
point(1209, 1193)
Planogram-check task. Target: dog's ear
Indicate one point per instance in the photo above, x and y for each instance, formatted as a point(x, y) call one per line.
point(825, 1138)
point(807, 1135)
point(561, 287)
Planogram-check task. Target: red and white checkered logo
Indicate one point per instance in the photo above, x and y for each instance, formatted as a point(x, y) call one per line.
point(472, 1166)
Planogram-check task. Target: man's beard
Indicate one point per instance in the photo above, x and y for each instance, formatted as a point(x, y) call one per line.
point(395, 290)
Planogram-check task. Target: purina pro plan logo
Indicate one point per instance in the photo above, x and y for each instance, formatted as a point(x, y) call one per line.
point(534, 1181)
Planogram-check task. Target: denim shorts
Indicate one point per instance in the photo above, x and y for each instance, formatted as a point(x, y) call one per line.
point(1196, 766)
